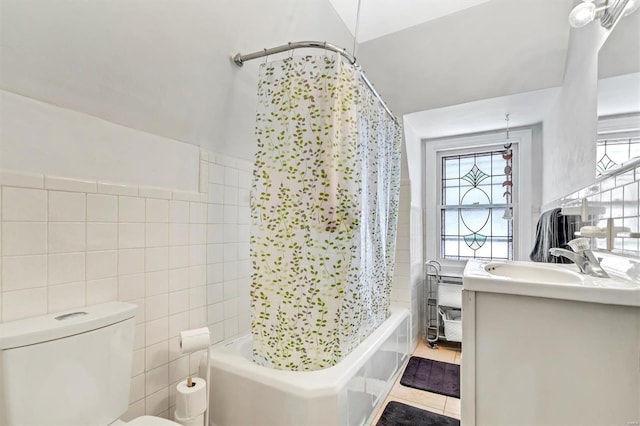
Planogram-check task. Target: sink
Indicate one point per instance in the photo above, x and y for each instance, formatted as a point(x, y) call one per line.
point(521, 271)
point(553, 281)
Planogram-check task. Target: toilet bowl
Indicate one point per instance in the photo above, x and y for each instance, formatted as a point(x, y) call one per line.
point(70, 368)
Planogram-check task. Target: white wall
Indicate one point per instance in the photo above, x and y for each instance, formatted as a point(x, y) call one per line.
point(413, 150)
point(42, 138)
point(158, 66)
point(411, 218)
point(404, 290)
point(569, 132)
point(537, 132)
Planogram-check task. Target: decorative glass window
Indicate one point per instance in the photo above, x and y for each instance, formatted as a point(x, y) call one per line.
point(475, 205)
point(612, 151)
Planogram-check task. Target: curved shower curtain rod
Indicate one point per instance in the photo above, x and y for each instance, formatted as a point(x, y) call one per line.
point(240, 59)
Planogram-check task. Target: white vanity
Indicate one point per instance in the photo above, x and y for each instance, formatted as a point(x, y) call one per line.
point(546, 345)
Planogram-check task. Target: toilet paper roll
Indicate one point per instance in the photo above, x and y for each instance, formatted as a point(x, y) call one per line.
point(191, 401)
point(194, 421)
point(194, 340)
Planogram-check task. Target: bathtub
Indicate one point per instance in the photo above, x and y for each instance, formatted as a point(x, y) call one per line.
point(246, 394)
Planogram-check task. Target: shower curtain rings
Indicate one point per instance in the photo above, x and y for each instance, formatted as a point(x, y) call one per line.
point(266, 56)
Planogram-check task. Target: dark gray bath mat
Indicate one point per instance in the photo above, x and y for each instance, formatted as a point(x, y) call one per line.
point(432, 376)
point(398, 414)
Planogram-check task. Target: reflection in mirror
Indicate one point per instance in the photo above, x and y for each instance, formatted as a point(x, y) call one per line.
point(619, 96)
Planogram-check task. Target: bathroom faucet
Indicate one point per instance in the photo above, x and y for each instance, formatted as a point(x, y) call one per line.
point(582, 256)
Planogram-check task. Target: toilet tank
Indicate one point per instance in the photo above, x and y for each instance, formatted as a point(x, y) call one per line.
point(71, 368)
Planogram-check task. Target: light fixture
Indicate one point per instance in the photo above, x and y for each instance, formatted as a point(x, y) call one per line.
point(582, 14)
point(609, 11)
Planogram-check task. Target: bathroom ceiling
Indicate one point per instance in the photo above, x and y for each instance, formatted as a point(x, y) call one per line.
point(616, 95)
point(496, 48)
point(164, 67)
point(485, 115)
point(382, 17)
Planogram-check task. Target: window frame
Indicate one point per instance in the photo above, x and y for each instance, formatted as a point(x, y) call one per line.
point(434, 149)
point(489, 149)
point(616, 127)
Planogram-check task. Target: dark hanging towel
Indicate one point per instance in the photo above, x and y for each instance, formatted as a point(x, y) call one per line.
point(553, 230)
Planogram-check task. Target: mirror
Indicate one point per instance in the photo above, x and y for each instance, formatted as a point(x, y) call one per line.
point(619, 96)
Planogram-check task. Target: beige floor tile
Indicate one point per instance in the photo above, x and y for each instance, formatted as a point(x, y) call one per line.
point(422, 407)
point(441, 353)
point(452, 406)
point(427, 399)
point(454, 415)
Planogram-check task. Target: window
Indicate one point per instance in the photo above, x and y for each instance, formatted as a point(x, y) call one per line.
point(618, 141)
point(613, 151)
point(464, 198)
point(475, 212)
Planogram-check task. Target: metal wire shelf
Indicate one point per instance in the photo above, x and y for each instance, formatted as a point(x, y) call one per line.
point(434, 326)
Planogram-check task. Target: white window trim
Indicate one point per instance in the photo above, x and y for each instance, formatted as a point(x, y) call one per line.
point(522, 205)
point(625, 126)
point(618, 124)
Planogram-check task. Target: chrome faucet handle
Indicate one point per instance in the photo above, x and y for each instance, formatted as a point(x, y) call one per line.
point(580, 245)
point(588, 264)
point(582, 257)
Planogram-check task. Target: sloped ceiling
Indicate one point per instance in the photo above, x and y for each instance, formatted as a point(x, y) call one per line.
point(163, 66)
point(484, 115)
point(160, 66)
point(377, 18)
point(497, 48)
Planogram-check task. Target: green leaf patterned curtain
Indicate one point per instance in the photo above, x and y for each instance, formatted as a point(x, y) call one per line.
point(324, 207)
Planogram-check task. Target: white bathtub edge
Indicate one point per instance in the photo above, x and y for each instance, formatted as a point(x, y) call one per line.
point(317, 383)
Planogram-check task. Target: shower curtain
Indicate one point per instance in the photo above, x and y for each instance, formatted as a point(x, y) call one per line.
point(324, 206)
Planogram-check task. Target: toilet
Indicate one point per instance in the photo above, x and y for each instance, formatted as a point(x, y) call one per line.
point(71, 368)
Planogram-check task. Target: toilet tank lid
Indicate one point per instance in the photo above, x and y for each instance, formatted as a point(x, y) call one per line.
point(41, 329)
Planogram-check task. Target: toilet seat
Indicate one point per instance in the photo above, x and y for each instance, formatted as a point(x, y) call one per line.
point(151, 421)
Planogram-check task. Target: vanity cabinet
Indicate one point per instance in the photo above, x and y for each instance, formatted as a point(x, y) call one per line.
point(544, 361)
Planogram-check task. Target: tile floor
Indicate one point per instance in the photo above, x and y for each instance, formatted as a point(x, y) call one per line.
point(436, 403)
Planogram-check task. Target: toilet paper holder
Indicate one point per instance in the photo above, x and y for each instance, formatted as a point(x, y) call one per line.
point(192, 341)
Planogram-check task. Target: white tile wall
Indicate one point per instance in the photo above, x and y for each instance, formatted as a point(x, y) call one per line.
point(401, 280)
point(20, 204)
point(184, 262)
point(102, 208)
point(615, 196)
point(407, 278)
point(67, 206)
point(22, 272)
point(22, 238)
point(182, 258)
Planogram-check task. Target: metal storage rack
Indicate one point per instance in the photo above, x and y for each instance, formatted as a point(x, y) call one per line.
point(440, 286)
